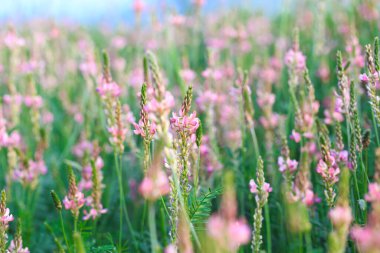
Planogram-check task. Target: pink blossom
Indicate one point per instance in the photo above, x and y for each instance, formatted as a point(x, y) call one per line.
point(74, 203)
point(265, 99)
point(295, 136)
point(33, 101)
point(366, 238)
point(153, 187)
point(138, 6)
point(6, 218)
point(139, 128)
point(171, 249)
point(19, 249)
point(329, 174)
point(109, 89)
point(94, 213)
point(340, 215)
point(253, 187)
point(188, 124)
point(229, 234)
point(373, 194)
point(288, 165)
point(364, 79)
point(187, 75)
point(295, 59)
point(310, 198)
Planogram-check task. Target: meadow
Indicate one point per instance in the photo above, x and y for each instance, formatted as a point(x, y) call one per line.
point(213, 132)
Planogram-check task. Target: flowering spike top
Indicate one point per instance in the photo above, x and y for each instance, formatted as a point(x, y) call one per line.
point(261, 190)
point(56, 200)
point(96, 207)
point(107, 88)
point(74, 200)
point(187, 101)
point(5, 216)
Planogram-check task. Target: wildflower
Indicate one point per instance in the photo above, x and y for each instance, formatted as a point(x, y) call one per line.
point(373, 194)
point(5, 218)
point(109, 89)
point(295, 59)
point(341, 217)
point(16, 244)
point(287, 165)
point(261, 191)
point(185, 127)
point(153, 188)
point(228, 231)
point(295, 136)
point(74, 200)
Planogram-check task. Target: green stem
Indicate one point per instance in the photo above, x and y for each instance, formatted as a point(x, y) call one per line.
point(152, 229)
point(255, 143)
point(121, 197)
point(358, 193)
point(63, 231)
point(375, 127)
point(267, 227)
point(309, 244)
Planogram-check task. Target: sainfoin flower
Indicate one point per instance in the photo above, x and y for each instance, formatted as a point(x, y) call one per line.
point(154, 186)
point(6, 217)
point(187, 124)
point(340, 215)
point(373, 194)
point(230, 234)
point(295, 59)
point(108, 89)
point(13, 248)
point(287, 165)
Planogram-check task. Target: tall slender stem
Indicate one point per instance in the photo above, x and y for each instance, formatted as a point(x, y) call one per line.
point(267, 227)
point(64, 232)
point(152, 228)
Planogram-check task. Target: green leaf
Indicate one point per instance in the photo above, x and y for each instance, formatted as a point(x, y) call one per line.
point(200, 207)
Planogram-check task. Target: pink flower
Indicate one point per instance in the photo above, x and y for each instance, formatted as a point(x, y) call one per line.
point(94, 213)
point(253, 187)
point(138, 6)
point(153, 187)
point(184, 123)
point(340, 216)
point(229, 234)
point(367, 238)
point(295, 59)
point(33, 101)
point(6, 218)
point(19, 249)
point(75, 202)
point(295, 136)
point(171, 249)
point(328, 174)
point(265, 99)
point(288, 165)
point(373, 194)
point(310, 198)
point(187, 75)
point(238, 233)
point(109, 89)
point(139, 128)
point(363, 78)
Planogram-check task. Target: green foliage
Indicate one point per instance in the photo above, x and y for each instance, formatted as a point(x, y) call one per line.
point(200, 207)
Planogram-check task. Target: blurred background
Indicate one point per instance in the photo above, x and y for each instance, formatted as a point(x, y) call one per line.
point(90, 12)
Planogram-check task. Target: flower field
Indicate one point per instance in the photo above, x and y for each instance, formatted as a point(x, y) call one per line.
point(207, 131)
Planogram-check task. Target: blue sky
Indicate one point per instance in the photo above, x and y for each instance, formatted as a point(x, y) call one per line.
point(109, 11)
